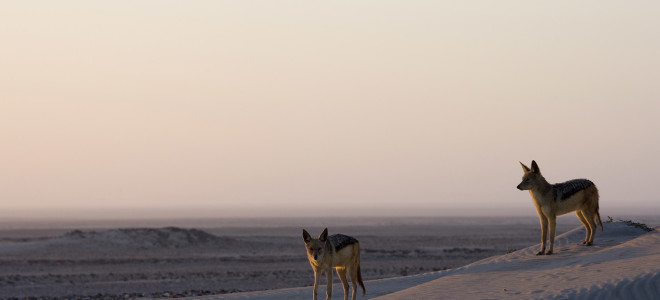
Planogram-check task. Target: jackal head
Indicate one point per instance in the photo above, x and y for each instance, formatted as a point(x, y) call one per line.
point(315, 247)
point(531, 177)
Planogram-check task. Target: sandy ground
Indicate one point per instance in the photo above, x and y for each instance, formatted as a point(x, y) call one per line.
point(401, 260)
point(623, 264)
point(117, 263)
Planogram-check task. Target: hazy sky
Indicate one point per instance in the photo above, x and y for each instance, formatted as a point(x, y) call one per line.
point(284, 108)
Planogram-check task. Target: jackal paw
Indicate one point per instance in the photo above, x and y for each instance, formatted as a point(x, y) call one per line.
point(588, 243)
point(540, 253)
point(549, 252)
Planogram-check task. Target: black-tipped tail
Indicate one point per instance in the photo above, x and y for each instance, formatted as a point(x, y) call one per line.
point(359, 278)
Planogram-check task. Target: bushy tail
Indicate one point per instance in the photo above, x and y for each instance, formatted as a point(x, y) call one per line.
point(597, 197)
point(359, 278)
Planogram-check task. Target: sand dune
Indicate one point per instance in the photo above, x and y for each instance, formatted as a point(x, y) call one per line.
point(624, 263)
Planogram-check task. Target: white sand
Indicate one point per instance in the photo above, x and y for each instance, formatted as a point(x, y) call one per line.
point(624, 263)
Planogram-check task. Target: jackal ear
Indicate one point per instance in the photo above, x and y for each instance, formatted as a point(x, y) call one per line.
point(306, 236)
point(535, 167)
point(324, 235)
point(525, 168)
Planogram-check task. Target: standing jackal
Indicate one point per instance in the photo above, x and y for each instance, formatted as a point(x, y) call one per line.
point(337, 251)
point(552, 200)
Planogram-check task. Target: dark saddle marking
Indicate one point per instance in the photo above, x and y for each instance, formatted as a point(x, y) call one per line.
point(340, 241)
point(567, 189)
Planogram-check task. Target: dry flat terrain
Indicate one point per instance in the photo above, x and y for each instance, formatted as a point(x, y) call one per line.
point(623, 264)
point(201, 258)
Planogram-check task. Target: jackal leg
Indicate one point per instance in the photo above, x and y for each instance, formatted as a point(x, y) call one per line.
point(341, 272)
point(317, 280)
point(352, 271)
point(589, 215)
point(553, 226)
point(328, 277)
point(544, 233)
point(587, 228)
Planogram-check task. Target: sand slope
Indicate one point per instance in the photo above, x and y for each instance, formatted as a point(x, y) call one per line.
point(624, 263)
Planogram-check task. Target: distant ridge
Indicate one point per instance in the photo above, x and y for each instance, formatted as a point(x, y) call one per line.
point(167, 237)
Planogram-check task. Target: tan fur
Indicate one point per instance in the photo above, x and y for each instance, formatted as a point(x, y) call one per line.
point(584, 203)
point(323, 257)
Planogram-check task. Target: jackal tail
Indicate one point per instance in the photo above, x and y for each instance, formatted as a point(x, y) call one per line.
point(596, 211)
point(359, 279)
point(598, 219)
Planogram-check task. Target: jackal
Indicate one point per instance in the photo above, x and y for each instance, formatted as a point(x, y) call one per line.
point(337, 251)
point(552, 200)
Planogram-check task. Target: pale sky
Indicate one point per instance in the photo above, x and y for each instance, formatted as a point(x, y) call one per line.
point(307, 108)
